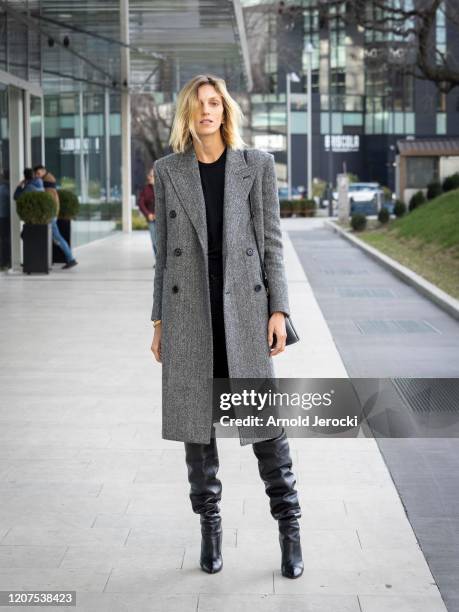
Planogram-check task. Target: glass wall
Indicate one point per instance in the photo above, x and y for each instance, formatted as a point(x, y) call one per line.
point(5, 241)
point(81, 133)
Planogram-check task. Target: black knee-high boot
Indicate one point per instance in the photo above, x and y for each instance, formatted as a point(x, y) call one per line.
point(275, 467)
point(205, 495)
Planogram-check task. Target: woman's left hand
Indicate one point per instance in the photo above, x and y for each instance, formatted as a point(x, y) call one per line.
point(276, 325)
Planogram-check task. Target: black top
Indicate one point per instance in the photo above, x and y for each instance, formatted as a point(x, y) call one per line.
point(213, 187)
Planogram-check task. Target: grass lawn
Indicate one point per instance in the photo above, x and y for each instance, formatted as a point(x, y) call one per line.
point(425, 240)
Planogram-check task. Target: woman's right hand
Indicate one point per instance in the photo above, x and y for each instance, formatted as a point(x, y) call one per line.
point(156, 344)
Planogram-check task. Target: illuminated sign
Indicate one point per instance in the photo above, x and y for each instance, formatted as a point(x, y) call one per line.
point(73, 145)
point(343, 143)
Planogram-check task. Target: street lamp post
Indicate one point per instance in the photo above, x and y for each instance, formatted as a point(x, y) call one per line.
point(309, 51)
point(291, 76)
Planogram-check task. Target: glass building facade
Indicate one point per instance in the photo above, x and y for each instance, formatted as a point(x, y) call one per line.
point(53, 112)
point(363, 99)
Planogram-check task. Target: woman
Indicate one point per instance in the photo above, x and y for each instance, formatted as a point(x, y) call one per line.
point(210, 312)
point(147, 206)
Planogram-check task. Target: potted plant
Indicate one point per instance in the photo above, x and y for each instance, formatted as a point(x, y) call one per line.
point(69, 207)
point(36, 209)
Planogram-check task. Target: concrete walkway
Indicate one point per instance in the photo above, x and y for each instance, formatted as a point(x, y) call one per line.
point(92, 499)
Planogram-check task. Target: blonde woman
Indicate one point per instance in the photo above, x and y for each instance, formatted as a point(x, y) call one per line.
point(211, 314)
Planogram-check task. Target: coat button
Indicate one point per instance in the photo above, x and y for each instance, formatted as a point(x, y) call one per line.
point(178, 252)
point(249, 251)
point(172, 214)
point(257, 287)
point(175, 289)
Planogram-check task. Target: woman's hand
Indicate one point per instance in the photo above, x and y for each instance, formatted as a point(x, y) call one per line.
point(276, 325)
point(156, 344)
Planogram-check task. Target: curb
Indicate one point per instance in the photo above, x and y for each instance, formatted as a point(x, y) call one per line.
point(427, 289)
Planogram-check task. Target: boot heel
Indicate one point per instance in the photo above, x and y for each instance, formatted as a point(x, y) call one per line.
point(211, 551)
point(292, 565)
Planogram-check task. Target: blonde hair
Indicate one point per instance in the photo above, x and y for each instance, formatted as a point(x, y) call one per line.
point(183, 131)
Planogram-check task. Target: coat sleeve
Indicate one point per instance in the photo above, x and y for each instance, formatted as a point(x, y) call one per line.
point(273, 249)
point(161, 244)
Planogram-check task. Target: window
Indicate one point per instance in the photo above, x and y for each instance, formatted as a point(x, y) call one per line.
point(420, 171)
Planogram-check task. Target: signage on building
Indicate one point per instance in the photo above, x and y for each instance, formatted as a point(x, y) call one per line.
point(394, 54)
point(73, 145)
point(343, 143)
point(269, 142)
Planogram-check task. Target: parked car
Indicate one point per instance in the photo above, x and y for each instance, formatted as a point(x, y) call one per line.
point(364, 198)
point(283, 193)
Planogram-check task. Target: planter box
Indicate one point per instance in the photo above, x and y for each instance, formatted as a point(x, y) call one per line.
point(65, 228)
point(37, 248)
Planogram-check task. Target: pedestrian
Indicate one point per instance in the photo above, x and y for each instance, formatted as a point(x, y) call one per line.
point(28, 184)
point(146, 204)
point(211, 315)
point(49, 183)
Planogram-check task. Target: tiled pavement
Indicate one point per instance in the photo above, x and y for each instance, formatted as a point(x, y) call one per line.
point(92, 499)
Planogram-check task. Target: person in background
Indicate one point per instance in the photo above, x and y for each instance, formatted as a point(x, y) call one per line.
point(146, 204)
point(49, 184)
point(29, 183)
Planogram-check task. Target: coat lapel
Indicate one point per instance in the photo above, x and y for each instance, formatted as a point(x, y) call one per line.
point(186, 181)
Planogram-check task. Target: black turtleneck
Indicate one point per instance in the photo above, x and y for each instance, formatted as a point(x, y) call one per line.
point(213, 187)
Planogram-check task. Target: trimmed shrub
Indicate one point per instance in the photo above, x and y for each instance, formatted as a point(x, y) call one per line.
point(308, 208)
point(296, 207)
point(36, 207)
point(383, 215)
point(417, 199)
point(285, 208)
point(399, 208)
point(434, 190)
point(451, 182)
point(69, 205)
point(358, 222)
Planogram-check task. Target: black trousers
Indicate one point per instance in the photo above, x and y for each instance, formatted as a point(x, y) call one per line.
point(218, 326)
point(218, 336)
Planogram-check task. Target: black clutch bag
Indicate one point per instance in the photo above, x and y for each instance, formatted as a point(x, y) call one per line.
point(292, 335)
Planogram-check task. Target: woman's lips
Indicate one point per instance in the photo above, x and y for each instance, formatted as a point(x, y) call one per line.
point(206, 121)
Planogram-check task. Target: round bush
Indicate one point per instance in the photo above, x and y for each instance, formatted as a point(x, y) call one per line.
point(434, 190)
point(36, 207)
point(69, 205)
point(417, 199)
point(399, 208)
point(383, 215)
point(451, 182)
point(358, 222)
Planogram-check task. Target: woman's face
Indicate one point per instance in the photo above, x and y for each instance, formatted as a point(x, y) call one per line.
point(150, 177)
point(210, 112)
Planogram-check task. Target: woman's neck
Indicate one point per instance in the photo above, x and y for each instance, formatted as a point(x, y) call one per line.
point(209, 151)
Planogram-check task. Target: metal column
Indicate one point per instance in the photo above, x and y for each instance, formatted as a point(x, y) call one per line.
point(16, 130)
point(107, 145)
point(125, 119)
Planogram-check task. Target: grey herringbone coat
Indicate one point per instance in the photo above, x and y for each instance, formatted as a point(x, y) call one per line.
point(181, 296)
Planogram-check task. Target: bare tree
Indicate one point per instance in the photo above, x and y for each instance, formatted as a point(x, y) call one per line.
point(150, 125)
point(407, 24)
